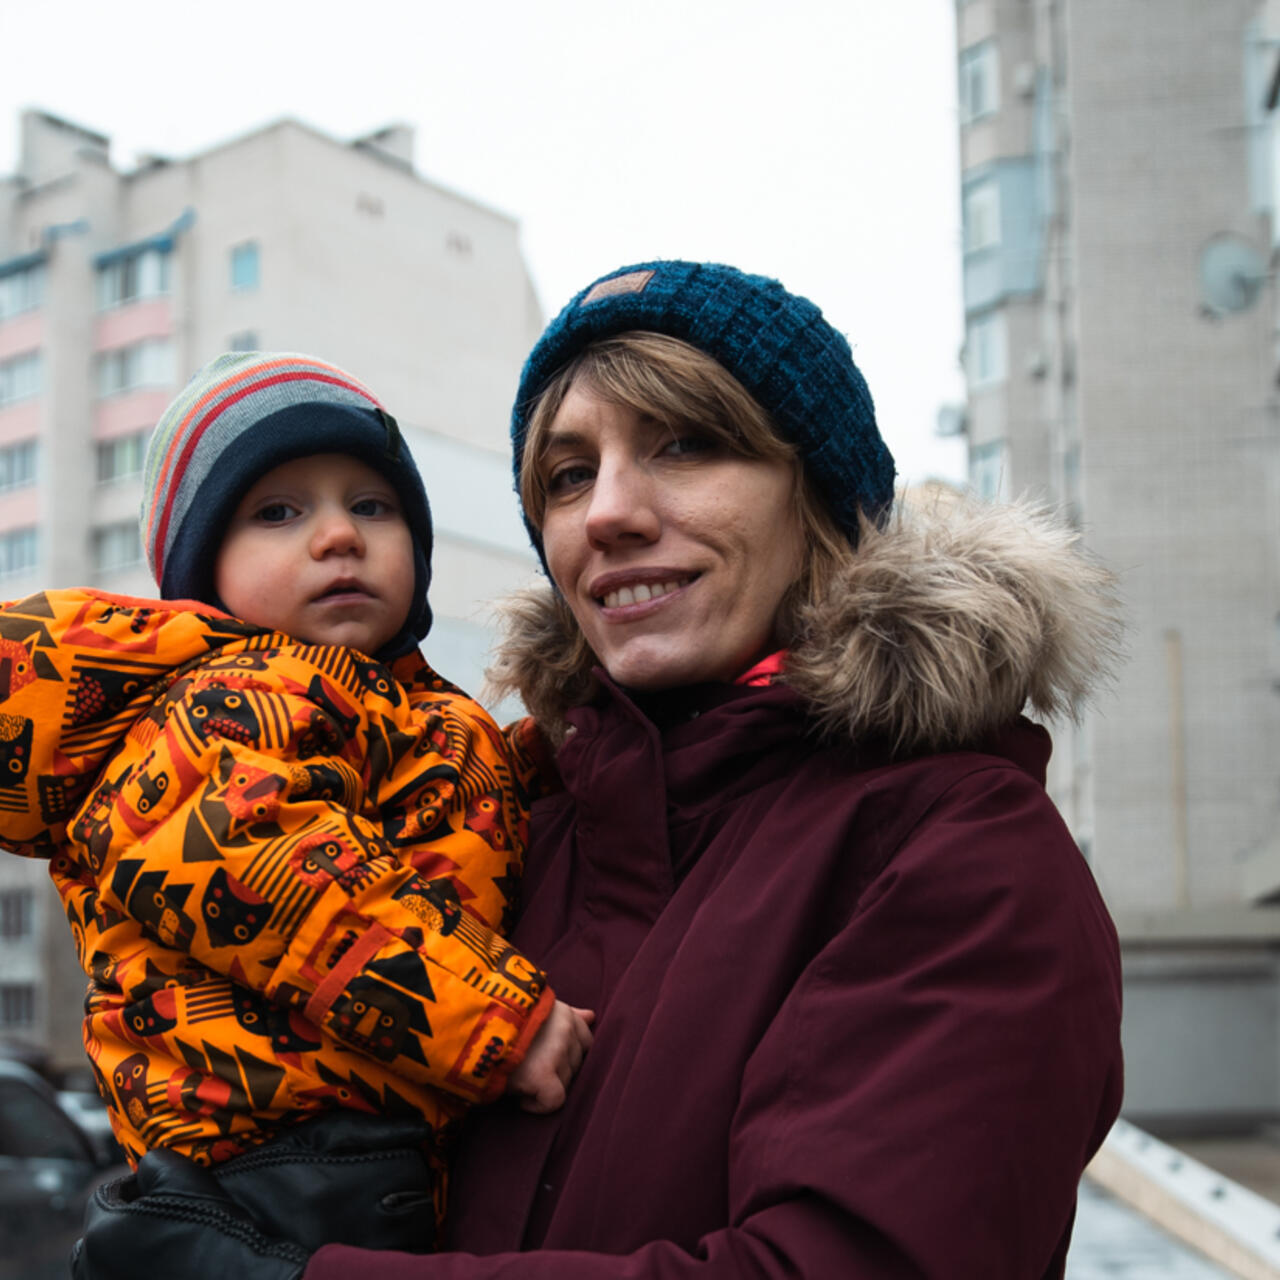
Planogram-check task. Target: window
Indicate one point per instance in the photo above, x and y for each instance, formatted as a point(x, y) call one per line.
point(17, 1005)
point(117, 546)
point(21, 290)
point(16, 908)
point(981, 216)
point(123, 457)
point(19, 378)
point(18, 551)
point(986, 350)
point(148, 363)
point(246, 340)
point(133, 276)
point(244, 265)
point(979, 81)
point(18, 465)
point(989, 470)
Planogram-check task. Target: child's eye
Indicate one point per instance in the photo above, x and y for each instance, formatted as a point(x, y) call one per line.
point(275, 513)
point(373, 507)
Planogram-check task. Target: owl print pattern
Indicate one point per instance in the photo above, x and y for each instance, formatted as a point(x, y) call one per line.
point(286, 868)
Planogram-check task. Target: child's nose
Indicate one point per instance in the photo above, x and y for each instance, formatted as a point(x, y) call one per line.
point(336, 532)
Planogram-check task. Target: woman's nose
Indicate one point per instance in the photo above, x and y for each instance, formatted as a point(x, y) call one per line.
point(336, 532)
point(623, 505)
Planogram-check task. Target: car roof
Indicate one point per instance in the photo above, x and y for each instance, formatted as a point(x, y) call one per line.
point(14, 1070)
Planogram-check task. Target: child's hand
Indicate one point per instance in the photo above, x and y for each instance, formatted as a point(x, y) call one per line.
point(553, 1059)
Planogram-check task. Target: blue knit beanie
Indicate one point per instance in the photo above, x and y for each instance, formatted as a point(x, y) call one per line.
point(242, 415)
point(777, 345)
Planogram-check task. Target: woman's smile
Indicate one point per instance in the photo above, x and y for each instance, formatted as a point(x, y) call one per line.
point(642, 591)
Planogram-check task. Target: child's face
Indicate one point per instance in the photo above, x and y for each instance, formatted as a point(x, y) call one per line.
point(318, 548)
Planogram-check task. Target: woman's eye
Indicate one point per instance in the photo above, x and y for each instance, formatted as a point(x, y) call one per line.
point(688, 443)
point(568, 477)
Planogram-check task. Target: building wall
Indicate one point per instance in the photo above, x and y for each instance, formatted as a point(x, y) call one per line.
point(1175, 407)
point(1127, 137)
point(1199, 1037)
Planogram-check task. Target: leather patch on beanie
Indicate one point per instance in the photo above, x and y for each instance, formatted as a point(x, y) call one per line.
point(632, 282)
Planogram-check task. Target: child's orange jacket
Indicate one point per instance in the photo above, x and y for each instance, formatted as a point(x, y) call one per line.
point(285, 869)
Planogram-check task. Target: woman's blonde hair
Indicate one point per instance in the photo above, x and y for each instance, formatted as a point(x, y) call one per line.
point(675, 384)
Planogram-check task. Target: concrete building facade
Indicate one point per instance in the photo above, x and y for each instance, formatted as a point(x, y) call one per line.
point(1119, 206)
point(115, 286)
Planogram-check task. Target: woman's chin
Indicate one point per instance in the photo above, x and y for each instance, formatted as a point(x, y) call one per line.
point(653, 668)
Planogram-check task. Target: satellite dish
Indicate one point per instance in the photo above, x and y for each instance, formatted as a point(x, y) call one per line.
point(1232, 273)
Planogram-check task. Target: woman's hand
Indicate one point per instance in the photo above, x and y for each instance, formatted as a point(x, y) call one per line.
point(541, 1080)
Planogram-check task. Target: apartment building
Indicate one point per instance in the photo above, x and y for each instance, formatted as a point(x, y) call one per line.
point(1119, 200)
point(117, 284)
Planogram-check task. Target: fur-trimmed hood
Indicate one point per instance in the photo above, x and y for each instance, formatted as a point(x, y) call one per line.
point(943, 625)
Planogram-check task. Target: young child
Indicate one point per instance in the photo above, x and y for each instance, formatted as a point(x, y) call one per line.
point(285, 846)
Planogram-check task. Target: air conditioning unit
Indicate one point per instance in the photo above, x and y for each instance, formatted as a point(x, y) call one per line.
point(1024, 79)
point(952, 420)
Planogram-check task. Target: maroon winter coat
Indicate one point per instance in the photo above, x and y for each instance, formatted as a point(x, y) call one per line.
point(858, 1015)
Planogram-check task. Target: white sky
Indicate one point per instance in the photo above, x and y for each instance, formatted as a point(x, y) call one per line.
point(812, 140)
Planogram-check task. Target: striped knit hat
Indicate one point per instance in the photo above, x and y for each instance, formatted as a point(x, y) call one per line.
point(241, 415)
point(777, 344)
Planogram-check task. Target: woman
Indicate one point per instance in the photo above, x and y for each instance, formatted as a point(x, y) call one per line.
point(857, 996)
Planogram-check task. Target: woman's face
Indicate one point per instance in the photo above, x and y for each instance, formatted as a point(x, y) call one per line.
point(672, 553)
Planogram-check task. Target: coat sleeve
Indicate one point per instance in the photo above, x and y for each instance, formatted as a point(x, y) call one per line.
point(930, 1090)
point(329, 856)
point(77, 668)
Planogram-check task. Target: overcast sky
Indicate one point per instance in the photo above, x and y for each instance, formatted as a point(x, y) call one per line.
point(812, 140)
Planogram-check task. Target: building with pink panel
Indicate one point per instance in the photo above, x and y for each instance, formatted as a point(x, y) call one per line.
point(117, 284)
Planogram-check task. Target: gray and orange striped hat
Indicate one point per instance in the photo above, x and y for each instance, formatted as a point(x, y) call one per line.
point(241, 415)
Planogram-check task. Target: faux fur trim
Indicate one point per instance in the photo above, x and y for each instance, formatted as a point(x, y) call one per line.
point(542, 658)
point(942, 626)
